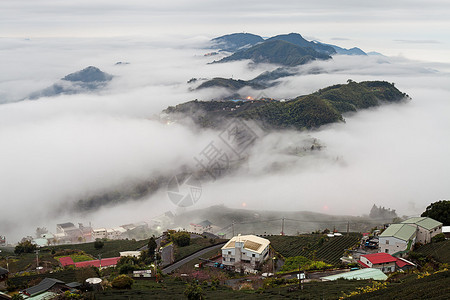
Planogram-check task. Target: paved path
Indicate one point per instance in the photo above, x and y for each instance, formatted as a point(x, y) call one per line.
point(185, 260)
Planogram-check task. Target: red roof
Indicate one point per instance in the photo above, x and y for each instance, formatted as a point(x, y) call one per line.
point(106, 262)
point(403, 262)
point(363, 264)
point(379, 258)
point(66, 261)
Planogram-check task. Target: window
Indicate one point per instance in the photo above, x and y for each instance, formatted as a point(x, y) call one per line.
point(387, 250)
point(232, 259)
point(229, 252)
point(387, 242)
point(253, 255)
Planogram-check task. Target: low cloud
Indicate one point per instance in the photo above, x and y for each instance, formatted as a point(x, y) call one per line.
point(60, 149)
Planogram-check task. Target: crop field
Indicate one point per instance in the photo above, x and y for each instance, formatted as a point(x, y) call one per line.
point(110, 248)
point(314, 246)
point(435, 286)
point(440, 251)
point(172, 289)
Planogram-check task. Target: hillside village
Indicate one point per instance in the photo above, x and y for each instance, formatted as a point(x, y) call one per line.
point(89, 263)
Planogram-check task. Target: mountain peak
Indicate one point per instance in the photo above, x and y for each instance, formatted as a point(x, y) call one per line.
point(89, 74)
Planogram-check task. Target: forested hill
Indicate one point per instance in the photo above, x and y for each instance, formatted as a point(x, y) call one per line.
point(304, 112)
point(277, 52)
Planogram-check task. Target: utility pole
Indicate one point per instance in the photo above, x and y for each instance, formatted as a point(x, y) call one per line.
point(37, 260)
point(282, 226)
point(273, 262)
point(300, 276)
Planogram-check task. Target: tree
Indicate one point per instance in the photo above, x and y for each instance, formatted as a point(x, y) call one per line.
point(152, 246)
point(193, 291)
point(181, 239)
point(122, 282)
point(439, 211)
point(25, 247)
point(98, 244)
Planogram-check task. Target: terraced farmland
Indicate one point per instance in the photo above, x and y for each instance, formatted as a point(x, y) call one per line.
point(315, 246)
point(440, 251)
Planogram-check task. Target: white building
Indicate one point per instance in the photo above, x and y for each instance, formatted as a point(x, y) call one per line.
point(109, 233)
point(397, 239)
point(136, 254)
point(99, 233)
point(245, 252)
point(205, 226)
point(426, 228)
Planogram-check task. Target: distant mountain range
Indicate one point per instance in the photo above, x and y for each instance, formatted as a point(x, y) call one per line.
point(284, 49)
point(304, 112)
point(87, 80)
point(343, 51)
point(239, 41)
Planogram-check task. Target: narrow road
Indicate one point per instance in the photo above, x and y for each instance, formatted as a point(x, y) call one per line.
point(185, 260)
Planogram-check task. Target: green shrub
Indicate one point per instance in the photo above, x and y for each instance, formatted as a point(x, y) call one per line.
point(193, 291)
point(122, 282)
point(438, 238)
point(181, 239)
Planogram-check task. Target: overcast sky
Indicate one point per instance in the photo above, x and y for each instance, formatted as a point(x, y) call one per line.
point(57, 150)
point(410, 28)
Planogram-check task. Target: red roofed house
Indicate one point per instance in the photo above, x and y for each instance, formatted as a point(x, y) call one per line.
point(382, 261)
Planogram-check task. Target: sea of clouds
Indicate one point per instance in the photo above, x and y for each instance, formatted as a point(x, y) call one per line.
point(57, 150)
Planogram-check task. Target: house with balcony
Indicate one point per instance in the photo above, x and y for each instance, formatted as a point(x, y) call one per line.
point(397, 239)
point(426, 228)
point(245, 252)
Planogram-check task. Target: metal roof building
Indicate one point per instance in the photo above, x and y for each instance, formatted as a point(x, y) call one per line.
point(403, 232)
point(43, 286)
point(362, 274)
point(425, 222)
